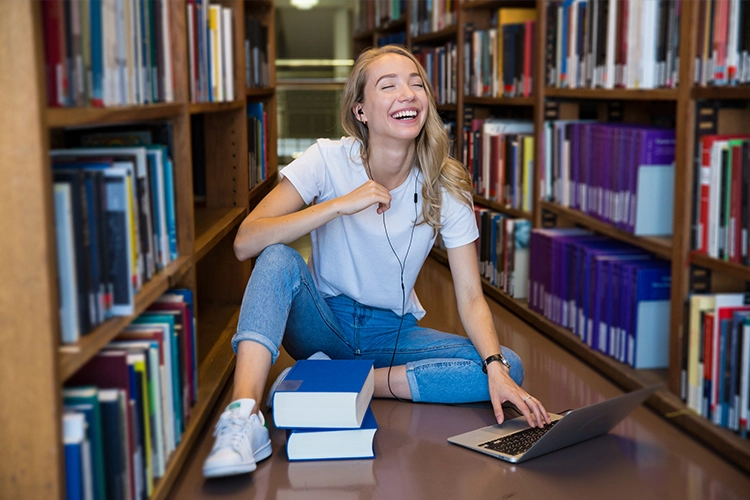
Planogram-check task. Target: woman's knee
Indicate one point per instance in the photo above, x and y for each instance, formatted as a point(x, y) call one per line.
point(278, 254)
point(516, 365)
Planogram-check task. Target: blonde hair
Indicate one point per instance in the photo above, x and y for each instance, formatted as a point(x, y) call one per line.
point(438, 168)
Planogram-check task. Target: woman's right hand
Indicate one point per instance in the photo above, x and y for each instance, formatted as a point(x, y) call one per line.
point(366, 195)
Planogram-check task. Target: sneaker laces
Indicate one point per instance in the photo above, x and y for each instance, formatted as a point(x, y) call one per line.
point(230, 431)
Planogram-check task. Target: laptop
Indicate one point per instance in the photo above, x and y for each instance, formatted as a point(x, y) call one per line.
point(514, 441)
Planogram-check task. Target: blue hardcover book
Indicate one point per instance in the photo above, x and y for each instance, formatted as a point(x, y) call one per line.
point(73, 442)
point(333, 444)
point(85, 399)
point(649, 347)
point(324, 394)
point(651, 182)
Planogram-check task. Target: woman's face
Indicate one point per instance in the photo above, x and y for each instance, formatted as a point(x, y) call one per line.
point(396, 103)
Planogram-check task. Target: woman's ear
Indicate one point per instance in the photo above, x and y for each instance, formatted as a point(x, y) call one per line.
point(359, 113)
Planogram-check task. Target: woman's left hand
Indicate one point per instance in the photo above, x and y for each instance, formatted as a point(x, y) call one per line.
point(503, 388)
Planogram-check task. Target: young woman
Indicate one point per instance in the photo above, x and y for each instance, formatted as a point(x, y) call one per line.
point(373, 204)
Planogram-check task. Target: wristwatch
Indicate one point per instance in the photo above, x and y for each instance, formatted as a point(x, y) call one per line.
point(495, 357)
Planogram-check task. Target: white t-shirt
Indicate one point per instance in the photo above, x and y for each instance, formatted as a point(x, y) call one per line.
point(351, 254)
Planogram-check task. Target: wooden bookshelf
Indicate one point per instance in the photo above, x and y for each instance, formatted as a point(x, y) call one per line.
point(35, 366)
point(681, 106)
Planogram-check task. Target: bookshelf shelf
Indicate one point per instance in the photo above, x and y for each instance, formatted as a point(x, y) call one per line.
point(500, 101)
point(614, 94)
point(658, 245)
point(501, 208)
point(68, 117)
point(260, 93)
point(739, 271)
point(212, 224)
point(446, 34)
point(721, 93)
point(197, 108)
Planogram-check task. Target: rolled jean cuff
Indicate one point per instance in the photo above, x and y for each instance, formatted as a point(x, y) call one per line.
point(256, 337)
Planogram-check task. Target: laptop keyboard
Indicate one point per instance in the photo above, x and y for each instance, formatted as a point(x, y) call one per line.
point(519, 442)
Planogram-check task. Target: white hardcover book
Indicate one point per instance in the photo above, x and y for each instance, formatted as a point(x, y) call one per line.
point(167, 68)
point(70, 329)
point(227, 53)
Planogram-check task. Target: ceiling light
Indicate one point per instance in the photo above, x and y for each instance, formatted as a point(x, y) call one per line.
point(304, 4)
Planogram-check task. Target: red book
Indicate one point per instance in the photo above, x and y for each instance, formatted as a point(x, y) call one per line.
point(55, 49)
point(528, 56)
point(735, 207)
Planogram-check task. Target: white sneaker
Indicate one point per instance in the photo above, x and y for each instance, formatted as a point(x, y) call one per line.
point(241, 440)
point(283, 374)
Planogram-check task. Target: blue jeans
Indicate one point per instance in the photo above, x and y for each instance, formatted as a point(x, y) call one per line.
point(282, 304)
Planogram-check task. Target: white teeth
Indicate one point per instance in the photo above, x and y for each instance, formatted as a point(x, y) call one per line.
point(405, 114)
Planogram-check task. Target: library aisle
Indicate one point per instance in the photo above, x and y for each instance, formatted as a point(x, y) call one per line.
point(644, 457)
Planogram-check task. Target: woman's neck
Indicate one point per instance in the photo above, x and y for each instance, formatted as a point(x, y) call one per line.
point(390, 166)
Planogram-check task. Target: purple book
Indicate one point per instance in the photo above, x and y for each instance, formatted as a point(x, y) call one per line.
point(652, 146)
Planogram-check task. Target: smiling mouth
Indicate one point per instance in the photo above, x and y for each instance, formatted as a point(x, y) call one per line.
point(405, 115)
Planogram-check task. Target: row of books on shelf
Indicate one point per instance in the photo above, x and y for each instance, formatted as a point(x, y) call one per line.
point(612, 295)
point(115, 222)
point(125, 410)
point(257, 142)
point(107, 53)
point(622, 174)
point(210, 31)
point(324, 405)
point(499, 61)
point(503, 251)
point(499, 154)
point(631, 44)
point(372, 14)
point(722, 195)
point(716, 370)
point(441, 65)
point(257, 73)
point(723, 44)
point(432, 16)
point(395, 38)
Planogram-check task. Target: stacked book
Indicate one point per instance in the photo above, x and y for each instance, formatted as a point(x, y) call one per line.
point(325, 407)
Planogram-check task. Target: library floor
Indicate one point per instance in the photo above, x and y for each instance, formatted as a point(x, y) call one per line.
point(644, 457)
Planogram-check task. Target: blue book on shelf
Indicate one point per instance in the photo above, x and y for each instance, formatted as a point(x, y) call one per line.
point(333, 444)
point(324, 394)
point(85, 399)
point(73, 444)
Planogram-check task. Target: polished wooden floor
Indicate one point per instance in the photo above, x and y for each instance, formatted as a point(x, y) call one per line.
point(644, 457)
